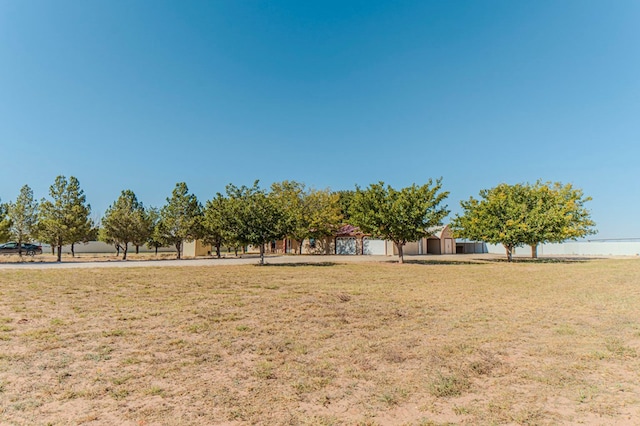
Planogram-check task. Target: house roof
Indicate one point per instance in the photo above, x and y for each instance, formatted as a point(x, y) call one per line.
point(349, 231)
point(437, 231)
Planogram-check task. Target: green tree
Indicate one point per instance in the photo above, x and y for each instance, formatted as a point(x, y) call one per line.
point(257, 216)
point(308, 213)
point(555, 213)
point(66, 218)
point(498, 217)
point(125, 222)
point(524, 214)
point(5, 234)
point(145, 228)
point(325, 213)
point(217, 222)
point(154, 239)
point(23, 217)
point(344, 201)
point(180, 218)
point(290, 197)
point(399, 215)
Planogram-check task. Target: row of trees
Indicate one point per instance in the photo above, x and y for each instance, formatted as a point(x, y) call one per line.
point(254, 216)
point(512, 215)
point(62, 219)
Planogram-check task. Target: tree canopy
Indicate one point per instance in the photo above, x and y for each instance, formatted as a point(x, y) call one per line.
point(525, 214)
point(125, 221)
point(218, 223)
point(308, 213)
point(180, 218)
point(65, 219)
point(5, 234)
point(23, 217)
point(401, 215)
point(257, 216)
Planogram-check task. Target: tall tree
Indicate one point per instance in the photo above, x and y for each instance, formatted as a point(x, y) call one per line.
point(180, 218)
point(498, 217)
point(257, 217)
point(65, 219)
point(555, 213)
point(125, 222)
point(5, 234)
point(401, 215)
point(23, 217)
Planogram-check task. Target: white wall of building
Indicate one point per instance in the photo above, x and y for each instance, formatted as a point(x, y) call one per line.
point(585, 248)
point(100, 247)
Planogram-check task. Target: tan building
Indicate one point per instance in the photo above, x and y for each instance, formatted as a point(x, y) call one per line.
point(195, 248)
point(441, 241)
point(349, 240)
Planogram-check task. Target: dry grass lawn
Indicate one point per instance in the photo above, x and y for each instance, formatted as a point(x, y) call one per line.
point(370, 344)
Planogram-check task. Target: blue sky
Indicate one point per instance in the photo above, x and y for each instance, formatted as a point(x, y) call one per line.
point(143, 94)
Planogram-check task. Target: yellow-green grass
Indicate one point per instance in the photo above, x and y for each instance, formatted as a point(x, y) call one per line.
point(370, 343)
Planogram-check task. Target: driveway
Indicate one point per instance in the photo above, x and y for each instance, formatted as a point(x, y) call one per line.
point(244, 260)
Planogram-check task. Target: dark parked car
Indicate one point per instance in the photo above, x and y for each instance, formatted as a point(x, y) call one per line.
point(28, 249)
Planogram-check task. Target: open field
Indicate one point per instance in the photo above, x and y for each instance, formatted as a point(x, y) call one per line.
point(360, 343)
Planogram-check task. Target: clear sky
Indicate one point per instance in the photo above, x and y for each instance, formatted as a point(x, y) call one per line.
point(133, 94)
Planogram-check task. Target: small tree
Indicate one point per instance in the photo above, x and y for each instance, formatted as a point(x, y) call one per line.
point(290, 197)
point(180, 218)
point(217, 222)
point(308, 213)
point(125, 222)
point(154, 239)
point(399, 215)
point(5, 234)
point(325, 213)
point(66, 218)
point(23, 217)
point(499, 217)
point(257, 217)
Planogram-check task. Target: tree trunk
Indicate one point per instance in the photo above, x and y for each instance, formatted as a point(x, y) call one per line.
point(300, 246)
point(400, 248)
point(137, 249)
point(178, 248)
point(534, 251)
point(156, 250)
point(261, 254)
point(509, 250)
point(73, 252)
point(218, 250)
point(20, 247)
point(125, 249)
point(59, 250)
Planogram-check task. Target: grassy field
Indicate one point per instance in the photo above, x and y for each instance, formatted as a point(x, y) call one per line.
point(419, 344)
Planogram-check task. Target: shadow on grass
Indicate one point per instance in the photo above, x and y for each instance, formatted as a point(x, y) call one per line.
point(443, 262)
point(545, 260)
point(299, 264)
